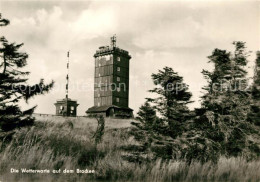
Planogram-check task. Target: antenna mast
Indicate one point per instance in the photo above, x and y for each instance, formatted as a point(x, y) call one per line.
point(113, 41)
point(67, 77)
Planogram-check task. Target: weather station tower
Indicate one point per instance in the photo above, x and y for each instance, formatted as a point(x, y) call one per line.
point(111, 82)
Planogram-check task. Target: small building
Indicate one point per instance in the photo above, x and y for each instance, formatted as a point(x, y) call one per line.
point(66, 107)
point(111, 85)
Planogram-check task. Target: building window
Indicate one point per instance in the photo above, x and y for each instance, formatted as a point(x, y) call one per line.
point(61, 107)
point(98, 104)
point(118, 79)
point(72, 108)
point(117, 99)
point(118, 59)
point(99, 64)
point(99, 74)
point(118, 68)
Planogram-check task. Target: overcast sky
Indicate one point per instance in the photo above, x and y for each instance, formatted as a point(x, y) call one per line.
point(156, 34)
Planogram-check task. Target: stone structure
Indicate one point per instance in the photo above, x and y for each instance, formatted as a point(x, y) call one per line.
point(66, 107)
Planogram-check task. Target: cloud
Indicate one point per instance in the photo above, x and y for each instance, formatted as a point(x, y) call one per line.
point(94, 23)
point(168, 36)
point(157, 34)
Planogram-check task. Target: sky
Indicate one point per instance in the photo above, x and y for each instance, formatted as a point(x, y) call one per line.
point(156, 33)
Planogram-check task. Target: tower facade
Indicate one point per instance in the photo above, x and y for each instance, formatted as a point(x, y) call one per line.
point(111, 85)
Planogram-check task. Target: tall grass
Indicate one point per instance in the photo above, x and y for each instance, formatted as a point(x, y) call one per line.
point(70, 145)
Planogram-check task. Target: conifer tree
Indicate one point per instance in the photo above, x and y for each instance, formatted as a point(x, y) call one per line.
point(254, 115)
point(14, 87)
point(225, 105)
point(144, 132)
point(172, 100)
point(157, 135)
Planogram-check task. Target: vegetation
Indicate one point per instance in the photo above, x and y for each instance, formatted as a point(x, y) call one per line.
point(254, 114)
point(157, 136)
point(226, 103)
point(100, 129)
point(219, 128)
point(70, 145)
point(13, 86)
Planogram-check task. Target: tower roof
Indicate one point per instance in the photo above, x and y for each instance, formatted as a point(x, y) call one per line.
point(106, 50)
point(112, 49)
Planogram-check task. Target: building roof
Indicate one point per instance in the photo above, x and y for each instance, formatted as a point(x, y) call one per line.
point(66, 100)
point(96, 109)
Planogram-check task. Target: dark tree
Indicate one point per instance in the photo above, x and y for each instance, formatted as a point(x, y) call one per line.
point(172, 100)
point(226, 103)
point(144, 131)
point(254, 115)
point(14, 87)
point(157, 136)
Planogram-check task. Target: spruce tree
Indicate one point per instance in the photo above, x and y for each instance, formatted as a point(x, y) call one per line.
point(157, 136)
point(172, 100)
point(14, 87)
point(254, 115)
point(144, 131)
point(225, 105)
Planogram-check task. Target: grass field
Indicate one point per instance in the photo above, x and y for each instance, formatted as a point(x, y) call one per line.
point(69, 144)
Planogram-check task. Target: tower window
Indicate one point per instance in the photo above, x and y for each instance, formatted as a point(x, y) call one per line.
point(117, 99)
point(118, 68)
point(118, 79)
point(118, 59)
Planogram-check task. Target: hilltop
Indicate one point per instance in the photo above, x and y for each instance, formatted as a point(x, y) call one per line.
point(85, 121)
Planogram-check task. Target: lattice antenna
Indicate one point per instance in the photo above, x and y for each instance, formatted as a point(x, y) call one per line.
point(113, 41)
point(67, 77)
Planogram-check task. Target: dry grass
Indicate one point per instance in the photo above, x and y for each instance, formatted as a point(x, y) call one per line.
point(69, 145)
